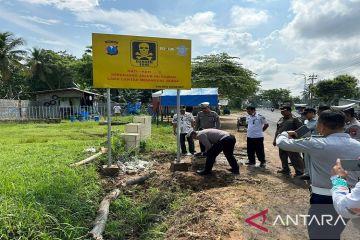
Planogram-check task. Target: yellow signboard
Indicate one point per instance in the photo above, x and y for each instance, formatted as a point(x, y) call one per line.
point(141, 62)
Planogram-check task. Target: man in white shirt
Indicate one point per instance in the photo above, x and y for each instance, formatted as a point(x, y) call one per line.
point(186, 125)
point(117, 110)
point(257, 124)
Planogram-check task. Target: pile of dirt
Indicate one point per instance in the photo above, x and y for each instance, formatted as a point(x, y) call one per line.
point(219, 203)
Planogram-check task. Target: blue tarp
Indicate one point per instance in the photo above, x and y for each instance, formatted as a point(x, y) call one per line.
point(192, 97)
point(134, 108)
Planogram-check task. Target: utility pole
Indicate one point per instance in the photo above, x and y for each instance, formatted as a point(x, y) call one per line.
point(305, 99)
point(311, 79)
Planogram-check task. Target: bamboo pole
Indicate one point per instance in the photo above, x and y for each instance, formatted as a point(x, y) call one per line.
point(102, 215)
point(103, 212)
point(89, 159)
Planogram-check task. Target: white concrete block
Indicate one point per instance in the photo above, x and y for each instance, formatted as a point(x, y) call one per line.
point(132, 145)
point(143, 119)
point(134, 128)
point(132, 140)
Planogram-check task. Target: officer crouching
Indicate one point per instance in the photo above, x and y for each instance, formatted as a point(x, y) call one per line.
point(215, 142)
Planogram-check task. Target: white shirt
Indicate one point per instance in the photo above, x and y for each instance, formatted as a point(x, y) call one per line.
point(255, 125)
point(117, 109)
point(185, 122)
point(347, 204)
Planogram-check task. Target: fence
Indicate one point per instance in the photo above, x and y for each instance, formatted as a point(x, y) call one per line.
point(47, 112)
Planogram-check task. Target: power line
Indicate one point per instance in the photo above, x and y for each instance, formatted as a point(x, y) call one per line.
point(355, 61)
point(341, 70)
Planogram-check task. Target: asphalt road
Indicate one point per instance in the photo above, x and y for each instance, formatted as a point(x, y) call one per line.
point(272, 118)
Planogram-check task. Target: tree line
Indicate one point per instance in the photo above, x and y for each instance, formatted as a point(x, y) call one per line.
point(24, 72)
point(328, 91)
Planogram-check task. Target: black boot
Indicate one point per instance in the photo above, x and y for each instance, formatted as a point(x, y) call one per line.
point(203, 172)
point(234, 171)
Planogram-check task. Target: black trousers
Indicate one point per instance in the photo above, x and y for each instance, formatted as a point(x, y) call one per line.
point(202, 147)
point(322, 207)
point(225, 145)
point(255, 145)
point(190, 142)
point(295, 158)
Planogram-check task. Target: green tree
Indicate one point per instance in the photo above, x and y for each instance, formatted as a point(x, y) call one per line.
point(10, 57)
point(296, 99)
point(50, 70)
point(276, 96)
point(83, 69)
point(224, 72)
point(40, 68)
point(342, 86)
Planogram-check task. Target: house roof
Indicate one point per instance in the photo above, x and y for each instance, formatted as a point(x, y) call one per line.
point(67, 89)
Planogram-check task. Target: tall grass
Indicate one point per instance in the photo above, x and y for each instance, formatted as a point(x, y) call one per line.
point(142, 215)
point(162, 139)
point(41, 197)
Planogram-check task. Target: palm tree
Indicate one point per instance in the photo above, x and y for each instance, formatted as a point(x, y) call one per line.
point(40, 66)
point(10, 57)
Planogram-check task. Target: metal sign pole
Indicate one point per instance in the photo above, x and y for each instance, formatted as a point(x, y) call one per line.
point(109, 126)
point(178, 124)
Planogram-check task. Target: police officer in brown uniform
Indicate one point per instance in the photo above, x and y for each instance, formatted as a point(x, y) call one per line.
point(206, 119)
point(289, 123)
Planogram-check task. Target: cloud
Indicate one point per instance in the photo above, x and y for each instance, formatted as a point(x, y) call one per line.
point(239, 44)
point(41, 20)
point(259, 1)
point(72, 5)
point(103, 28)
point(247, 17)
point(200, 26)
point(50, 36)
point(324, 35)
point(134, 21)
point(323, 19)
point(50, 42)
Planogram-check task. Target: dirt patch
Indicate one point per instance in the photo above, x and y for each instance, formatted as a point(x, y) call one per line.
point(220, 203)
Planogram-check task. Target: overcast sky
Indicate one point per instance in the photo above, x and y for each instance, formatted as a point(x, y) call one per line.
point(273, 38)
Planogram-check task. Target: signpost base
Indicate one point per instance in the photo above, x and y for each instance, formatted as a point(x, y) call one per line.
point(110, 171)
point(180, 166)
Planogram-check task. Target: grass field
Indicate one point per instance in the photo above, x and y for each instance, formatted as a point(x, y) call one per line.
point(41, 197)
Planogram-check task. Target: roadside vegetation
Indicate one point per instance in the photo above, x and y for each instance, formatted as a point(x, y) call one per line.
point(42, 197)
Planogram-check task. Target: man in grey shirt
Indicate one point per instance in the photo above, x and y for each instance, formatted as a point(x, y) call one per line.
point(323, 153)
point(216, 141)
point(310, 122)
point(352, 126)
point(206, 119)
